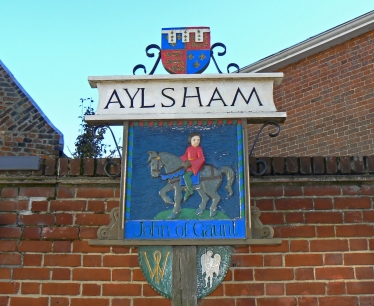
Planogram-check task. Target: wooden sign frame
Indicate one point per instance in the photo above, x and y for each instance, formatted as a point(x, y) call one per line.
point(114, 233)
point(124, 100)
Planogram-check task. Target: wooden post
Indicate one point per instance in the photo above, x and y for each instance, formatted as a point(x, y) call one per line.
point(184, 276)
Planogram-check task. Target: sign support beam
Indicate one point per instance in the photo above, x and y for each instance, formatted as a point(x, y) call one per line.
point(184, 276)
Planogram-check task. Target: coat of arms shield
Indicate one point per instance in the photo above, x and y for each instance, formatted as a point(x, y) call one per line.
point(185, 50)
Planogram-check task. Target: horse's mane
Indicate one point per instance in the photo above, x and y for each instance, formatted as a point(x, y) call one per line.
point(172, 162)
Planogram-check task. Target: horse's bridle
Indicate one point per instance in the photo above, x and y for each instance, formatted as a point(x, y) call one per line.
point(160, 164)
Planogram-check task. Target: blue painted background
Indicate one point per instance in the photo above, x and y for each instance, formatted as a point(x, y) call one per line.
point(220, 146)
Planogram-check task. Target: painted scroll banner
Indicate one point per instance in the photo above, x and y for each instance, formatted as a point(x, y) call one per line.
point(156, 204)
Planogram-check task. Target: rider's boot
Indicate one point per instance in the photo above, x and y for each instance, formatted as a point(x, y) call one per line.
point(187, 194)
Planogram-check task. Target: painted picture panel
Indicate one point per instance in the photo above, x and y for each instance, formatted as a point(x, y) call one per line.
point(185, 180)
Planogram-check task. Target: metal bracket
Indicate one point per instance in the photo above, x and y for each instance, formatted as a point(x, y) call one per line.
point(222, 54)
point(260, 161)
point(107, 172)
point(149, 54)
point(154, 46)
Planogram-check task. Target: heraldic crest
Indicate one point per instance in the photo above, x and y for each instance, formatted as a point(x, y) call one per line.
point(185, 50)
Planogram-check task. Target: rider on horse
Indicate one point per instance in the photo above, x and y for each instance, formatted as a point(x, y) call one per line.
point(192, 160)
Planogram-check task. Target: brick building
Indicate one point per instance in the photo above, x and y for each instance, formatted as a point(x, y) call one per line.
point(318, 197)
point(327, 92)
point(25, 129)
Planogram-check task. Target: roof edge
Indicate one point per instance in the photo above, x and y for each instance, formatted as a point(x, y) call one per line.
point(61, 141)
point(314, 44)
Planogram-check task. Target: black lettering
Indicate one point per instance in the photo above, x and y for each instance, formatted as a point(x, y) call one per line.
point(141, 230)
point(145, 106)
point(145, 230)
point(166, 96)
point(216, 99)
point(185, 96)
point(195, 230)
point(132, 98)
point(163, 228)
point(182, 233)
point(234, 226)
point(153, 230)
point(118, 100)
point(250, 96)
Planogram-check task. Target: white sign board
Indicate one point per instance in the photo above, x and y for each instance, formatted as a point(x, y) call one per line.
point(206, 96)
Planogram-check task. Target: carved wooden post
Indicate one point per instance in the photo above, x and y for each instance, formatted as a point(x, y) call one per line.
point(184, 276)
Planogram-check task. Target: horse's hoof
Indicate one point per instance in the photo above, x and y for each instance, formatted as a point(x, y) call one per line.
point(173, 215)
point(199, 211)
point(213, 213)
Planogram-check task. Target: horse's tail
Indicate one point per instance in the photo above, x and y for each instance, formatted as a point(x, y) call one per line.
point(230, 174)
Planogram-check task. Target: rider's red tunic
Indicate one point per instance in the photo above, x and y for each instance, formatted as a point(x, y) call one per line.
point(196, 158)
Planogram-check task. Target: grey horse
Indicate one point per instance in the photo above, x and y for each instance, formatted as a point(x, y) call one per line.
point(210, 181)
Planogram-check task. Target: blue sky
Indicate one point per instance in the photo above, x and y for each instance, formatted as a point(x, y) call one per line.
point(51, 47)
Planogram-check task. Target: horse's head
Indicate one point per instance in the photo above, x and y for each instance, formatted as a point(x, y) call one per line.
point(156, 163)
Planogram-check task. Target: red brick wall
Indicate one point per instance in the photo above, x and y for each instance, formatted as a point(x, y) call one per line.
point(329, 100)
point(325, 221)
point(23, 130)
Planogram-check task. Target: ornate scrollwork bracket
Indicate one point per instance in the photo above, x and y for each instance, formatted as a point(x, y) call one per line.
point(231, 65)
point(154, 46)
point(260, 161)
point(97, 134)
point(259, 230)
point(112, 230)
point(149, 54)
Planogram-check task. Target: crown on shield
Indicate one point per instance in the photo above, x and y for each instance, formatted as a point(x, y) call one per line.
point(185, 50)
